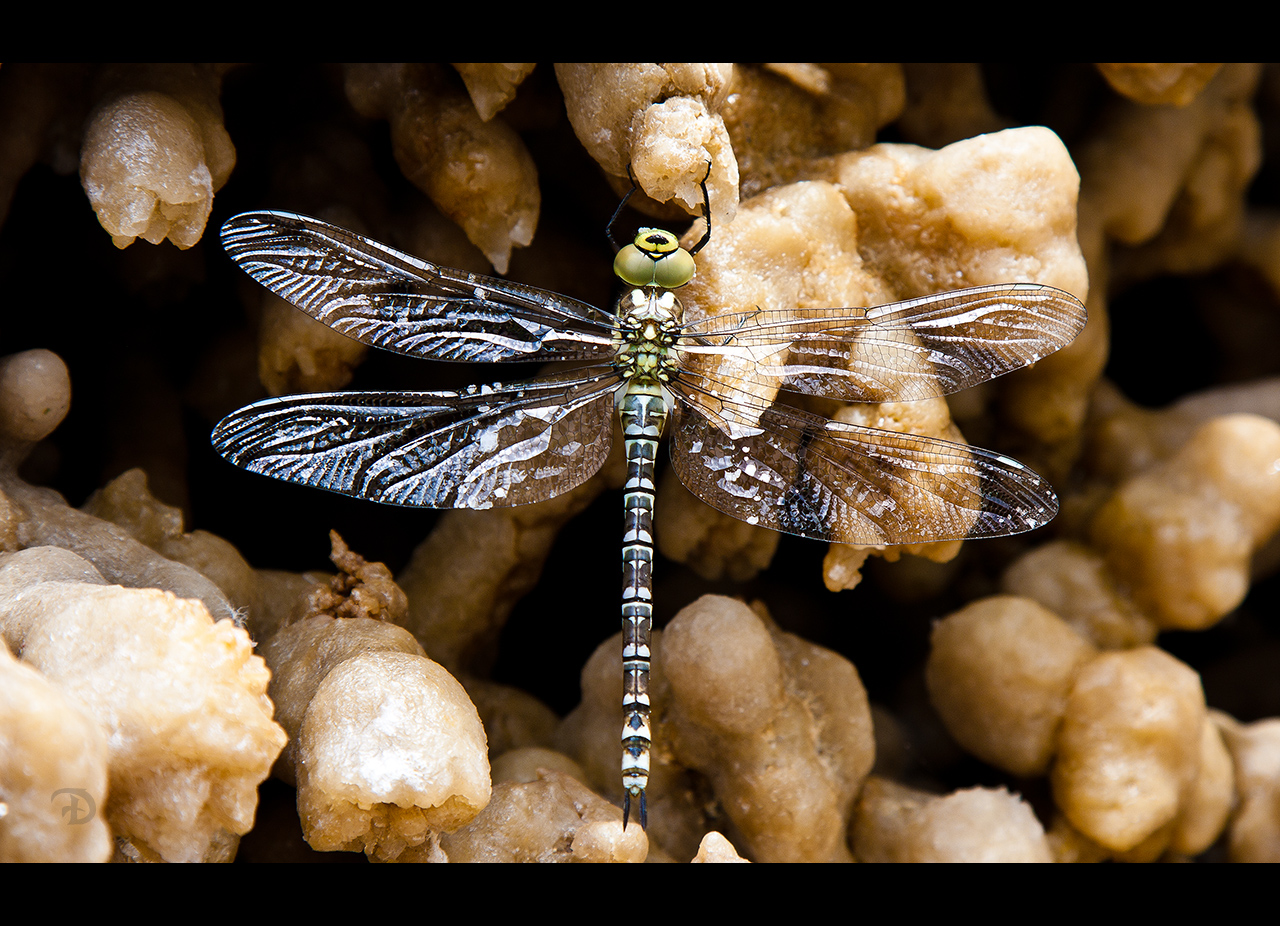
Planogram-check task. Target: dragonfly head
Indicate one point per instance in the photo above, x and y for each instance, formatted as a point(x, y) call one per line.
point(654, 258)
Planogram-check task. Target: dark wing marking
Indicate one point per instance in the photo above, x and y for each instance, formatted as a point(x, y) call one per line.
point(917, 349)
point(490, 446)
point(387, 299)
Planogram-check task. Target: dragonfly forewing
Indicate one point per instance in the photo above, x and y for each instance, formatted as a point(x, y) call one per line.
point(489, 446)
point(901, 352)
point(388, 299)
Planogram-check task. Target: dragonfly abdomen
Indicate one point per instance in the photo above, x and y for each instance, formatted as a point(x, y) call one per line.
point(643, 413)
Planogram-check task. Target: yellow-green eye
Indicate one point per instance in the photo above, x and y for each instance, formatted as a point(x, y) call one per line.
point(634, 266)
point(675, 269)
point(655, 259)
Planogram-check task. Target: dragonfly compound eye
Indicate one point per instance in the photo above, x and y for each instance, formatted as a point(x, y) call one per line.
point(634, 266)
point(676, 269)
point(650, 262)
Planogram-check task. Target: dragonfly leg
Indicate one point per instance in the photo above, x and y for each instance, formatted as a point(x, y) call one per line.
point(706, 213)
point(613, 220)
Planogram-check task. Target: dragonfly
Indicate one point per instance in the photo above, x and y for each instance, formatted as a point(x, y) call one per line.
point(712, 380)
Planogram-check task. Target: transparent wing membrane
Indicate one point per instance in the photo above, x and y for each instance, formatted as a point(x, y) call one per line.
point(917, 349)
point(492, 446)
point(388, 299)
point(803, 474)
point(767, 464)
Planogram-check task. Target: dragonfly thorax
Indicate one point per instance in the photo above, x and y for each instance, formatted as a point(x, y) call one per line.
point(648, 324)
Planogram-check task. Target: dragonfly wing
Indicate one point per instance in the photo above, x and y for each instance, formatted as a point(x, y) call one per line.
point(799, 473)
point(491, 446)
point(917, 349)
point(388, 299)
